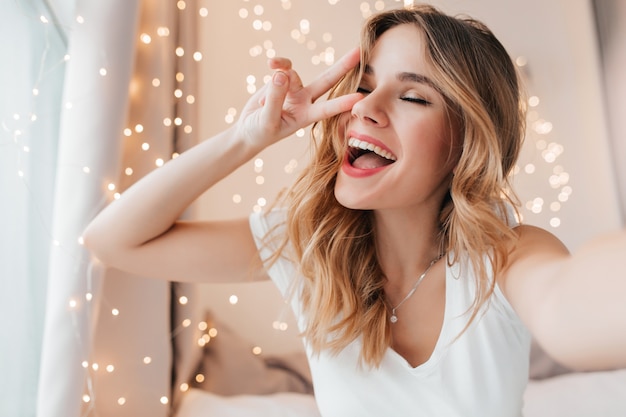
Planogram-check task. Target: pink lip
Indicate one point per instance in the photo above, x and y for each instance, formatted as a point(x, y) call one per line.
point(351, 171)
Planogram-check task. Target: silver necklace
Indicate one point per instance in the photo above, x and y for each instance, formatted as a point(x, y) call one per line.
point(394, 318)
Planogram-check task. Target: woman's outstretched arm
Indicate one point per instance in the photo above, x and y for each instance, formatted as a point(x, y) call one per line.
point(575, 305)
point(140, 232)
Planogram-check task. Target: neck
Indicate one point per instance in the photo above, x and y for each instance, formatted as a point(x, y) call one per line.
point(406, 244)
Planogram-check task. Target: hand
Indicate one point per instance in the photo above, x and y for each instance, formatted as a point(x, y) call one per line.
point(284, 105)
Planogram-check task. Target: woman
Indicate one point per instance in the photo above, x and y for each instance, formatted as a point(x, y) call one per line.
point(414, 287)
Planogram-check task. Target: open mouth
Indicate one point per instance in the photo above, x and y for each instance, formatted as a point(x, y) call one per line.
point(365, 155)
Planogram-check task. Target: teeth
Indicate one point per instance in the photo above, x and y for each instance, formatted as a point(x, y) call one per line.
point(361, 144)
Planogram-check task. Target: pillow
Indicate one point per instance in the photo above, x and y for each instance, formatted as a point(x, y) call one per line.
point(229, 367)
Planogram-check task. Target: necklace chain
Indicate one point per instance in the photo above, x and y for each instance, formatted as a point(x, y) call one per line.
point(394, 318)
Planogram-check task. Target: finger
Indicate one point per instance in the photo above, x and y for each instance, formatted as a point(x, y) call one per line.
point(295, 82)
point(274, 100)
point(329, 108)
point(284, 65)
point(279, 63)
point(332, 75)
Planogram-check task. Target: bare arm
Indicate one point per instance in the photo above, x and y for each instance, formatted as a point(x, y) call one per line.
point(575, 305)
point(140, 233)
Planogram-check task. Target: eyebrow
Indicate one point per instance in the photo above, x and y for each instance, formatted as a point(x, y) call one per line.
point(408, 76)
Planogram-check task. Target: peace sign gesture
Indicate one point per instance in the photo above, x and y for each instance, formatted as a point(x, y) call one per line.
point(284, 105)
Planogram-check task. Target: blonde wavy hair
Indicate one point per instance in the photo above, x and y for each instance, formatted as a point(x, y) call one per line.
point(342, 282)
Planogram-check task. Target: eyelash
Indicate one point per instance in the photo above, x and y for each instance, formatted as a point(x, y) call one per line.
point(408, 99)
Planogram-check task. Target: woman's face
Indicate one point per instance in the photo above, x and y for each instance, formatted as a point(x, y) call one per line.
point(403, 119)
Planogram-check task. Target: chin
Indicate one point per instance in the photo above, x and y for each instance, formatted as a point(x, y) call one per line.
point(349, 198)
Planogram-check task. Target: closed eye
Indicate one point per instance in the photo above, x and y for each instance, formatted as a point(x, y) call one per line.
point(416, 100)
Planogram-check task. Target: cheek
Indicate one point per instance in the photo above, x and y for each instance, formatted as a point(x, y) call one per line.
point(449, 144)
point(342, 124)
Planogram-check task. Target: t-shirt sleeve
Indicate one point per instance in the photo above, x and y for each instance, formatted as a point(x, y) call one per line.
point(268, 230)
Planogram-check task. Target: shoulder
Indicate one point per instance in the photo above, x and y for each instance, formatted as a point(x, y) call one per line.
point(535, 258)
point(534, 251)
point(535, 243)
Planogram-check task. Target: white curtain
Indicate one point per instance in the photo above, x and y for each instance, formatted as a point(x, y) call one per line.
point(31, 82)
point(71, 98)
point(93, 112)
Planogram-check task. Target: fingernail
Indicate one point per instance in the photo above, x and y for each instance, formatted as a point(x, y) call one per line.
point(280, 78)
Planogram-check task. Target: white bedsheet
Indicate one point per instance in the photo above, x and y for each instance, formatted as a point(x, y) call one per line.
point(595, 394)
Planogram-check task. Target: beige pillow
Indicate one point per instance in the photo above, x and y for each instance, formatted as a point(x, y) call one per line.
point(228, 367)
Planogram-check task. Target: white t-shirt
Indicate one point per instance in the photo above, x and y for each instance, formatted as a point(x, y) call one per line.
point(483, 373)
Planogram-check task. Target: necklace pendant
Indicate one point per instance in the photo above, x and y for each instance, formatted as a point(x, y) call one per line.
point(393, 318)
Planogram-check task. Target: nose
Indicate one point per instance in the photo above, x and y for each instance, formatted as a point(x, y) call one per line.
point(370, 110)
